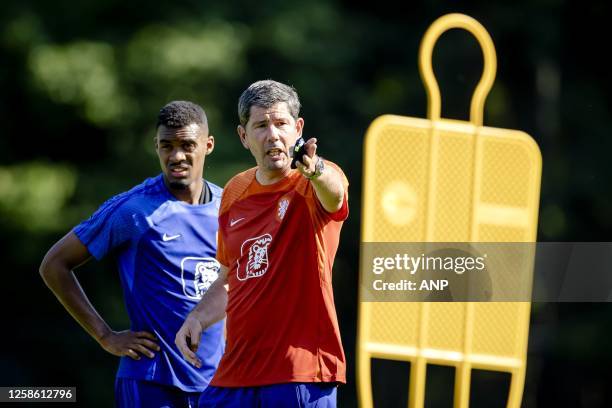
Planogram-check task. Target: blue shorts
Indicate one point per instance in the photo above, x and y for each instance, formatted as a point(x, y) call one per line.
point(298, 395)
point(131, 393)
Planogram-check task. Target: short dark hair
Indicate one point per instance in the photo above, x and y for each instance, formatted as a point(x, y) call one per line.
point(178, 114)
point(266, 94)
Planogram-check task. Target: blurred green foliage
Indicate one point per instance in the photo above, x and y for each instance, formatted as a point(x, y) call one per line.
point(80, 74)
point(33, 195)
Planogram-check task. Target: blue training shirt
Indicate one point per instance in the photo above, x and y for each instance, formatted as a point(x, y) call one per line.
point(166, 254)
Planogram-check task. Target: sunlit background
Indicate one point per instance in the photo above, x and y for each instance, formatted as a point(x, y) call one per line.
point(81, 84)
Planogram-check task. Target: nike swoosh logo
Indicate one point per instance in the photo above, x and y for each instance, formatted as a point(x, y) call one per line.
point(234, 222)
point(170, 237)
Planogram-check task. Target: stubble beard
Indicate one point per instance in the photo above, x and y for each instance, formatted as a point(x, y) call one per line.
point(178, 185)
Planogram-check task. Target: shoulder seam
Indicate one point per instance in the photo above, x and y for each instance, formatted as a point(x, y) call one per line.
point(235, 188)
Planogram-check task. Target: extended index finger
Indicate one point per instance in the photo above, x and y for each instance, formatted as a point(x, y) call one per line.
point(310, 147)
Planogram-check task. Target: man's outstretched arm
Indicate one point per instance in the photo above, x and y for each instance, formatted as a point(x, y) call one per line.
point(207, 312)
point(328, 186)
point(56, 270)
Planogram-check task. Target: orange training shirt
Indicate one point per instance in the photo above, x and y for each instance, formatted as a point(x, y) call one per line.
point(279, 244)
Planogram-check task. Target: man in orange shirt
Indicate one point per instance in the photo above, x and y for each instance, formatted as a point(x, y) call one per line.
point(278, 235)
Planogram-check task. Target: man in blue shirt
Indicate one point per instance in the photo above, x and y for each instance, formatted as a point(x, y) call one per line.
point(163, 234)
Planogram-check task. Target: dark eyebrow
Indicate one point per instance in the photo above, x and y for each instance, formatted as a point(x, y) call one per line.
point(183, 140)
point(260, 122)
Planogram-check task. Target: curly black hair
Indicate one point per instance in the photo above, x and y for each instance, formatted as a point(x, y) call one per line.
point(178, 114)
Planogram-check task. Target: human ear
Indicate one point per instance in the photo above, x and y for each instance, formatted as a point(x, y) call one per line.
point(242, 134)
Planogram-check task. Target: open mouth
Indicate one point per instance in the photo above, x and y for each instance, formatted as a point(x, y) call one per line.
point(179, 171)
point(275, 153)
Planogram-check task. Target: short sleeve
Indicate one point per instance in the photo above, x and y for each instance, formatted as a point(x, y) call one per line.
point(109, 227)
point(343, 212)
point(221, 256)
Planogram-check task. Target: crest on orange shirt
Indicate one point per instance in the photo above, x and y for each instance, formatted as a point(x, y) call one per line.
point(256, 250)
point(281, 207)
